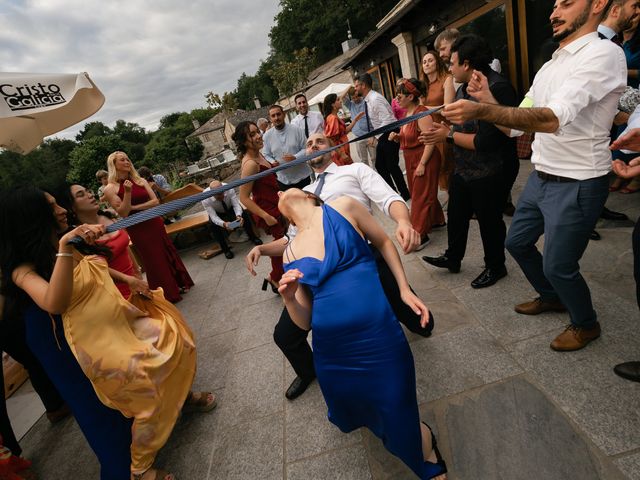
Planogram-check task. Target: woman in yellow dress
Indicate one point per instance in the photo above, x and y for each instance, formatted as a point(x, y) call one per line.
point(139, 356)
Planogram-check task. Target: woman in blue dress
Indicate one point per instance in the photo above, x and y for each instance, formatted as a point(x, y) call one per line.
point(363, 361)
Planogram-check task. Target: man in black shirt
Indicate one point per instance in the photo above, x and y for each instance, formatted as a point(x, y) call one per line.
point(482, 155)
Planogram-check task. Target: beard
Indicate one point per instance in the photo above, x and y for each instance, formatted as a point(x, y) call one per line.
point(575, 26)
point(319, 161)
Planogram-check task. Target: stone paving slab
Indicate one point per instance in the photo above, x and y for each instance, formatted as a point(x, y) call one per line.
point(503, 404)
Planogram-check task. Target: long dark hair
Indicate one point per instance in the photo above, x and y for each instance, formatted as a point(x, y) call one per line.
point(65, 199)
point(28, 228)
point(241, 135)
point(327, 104)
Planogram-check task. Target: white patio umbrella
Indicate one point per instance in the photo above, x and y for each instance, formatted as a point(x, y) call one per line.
point(337, 88)
point(35, 105)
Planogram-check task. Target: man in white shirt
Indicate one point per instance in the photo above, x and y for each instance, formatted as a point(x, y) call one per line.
point(307, 120)
point(379, 113)
point(284, 143)
point(365, 185)
point(226, 214)
point(571, 103)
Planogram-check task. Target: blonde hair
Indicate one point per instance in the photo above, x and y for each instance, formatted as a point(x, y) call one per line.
point(134, 176)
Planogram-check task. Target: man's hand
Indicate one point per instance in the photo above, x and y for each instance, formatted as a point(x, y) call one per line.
point(372, 142)
point(252, 259)
point(623, 170)
point(240, 219)
point(478, 88)
point(461, 111)
point(407, 237)
point(629, 141)
point(287, 157)
point(394, 137)
point(226, 226)
point(434, 135)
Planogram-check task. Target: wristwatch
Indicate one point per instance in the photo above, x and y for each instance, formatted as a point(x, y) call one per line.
point(450, 136)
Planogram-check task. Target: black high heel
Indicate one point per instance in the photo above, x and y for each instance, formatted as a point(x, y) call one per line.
point(440, 461)
point(266, 282)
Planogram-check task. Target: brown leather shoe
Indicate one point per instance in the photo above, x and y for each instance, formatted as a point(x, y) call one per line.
point(537, 306)
point(575, 338)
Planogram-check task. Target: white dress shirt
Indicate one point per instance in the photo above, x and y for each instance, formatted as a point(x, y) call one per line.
point(379, 110)
point(606, 31)
point(289, 140)
point(214, 207)
point(358, 181)
point(582, 84)
point(315, 122)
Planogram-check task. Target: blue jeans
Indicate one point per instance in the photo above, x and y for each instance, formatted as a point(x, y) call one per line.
point(566, 213)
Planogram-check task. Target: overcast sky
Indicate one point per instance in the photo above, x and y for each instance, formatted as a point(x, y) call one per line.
point(149, 57)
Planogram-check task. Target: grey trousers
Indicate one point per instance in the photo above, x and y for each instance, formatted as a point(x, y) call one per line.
point(566, 213)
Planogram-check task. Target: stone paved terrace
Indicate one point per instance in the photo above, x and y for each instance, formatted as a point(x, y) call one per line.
point(504, 405)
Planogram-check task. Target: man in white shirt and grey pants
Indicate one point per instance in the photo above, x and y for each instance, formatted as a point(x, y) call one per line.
point(571, 103)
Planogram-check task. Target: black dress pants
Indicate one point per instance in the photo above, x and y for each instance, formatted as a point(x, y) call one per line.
point(388, 165)
point(292, 340)
point(13, 341)
point(220, 233)
point(485, 197)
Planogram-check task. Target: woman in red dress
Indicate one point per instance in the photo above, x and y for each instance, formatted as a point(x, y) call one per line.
point(336, 130)
point(82, 207)
point(261, 196)
point(128, 193)
point(422, 162)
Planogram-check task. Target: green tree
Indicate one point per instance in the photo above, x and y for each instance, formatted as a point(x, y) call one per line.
point(168, 144)
point(227, 102)
point(44, 167)
point(131, 132)
point(90, 156)
point(323, 25)
point(289, 76)
point(259, 86)
point(93, 129)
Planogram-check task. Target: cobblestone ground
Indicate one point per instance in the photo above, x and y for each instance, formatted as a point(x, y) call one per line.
point(504, 405)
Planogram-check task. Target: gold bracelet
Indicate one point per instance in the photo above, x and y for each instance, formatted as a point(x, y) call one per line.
point(59, 254)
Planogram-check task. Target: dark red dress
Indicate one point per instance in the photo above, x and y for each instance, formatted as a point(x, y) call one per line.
point(159, 256)
point(265, 193)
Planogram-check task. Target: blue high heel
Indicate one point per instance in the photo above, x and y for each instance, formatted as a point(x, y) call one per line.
point(440, 467)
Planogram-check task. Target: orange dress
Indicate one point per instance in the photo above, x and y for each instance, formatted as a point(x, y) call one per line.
point(140, 356)
point(425, 208)
point(435, 97)
point(336, 130)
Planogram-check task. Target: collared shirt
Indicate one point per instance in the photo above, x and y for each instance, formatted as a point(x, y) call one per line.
point(380, 112)
point(360, 127)
point(315, 122)
point(214, 207)
point(606, 31)
point(290, 140)
point(581, 84)
point(358, 181)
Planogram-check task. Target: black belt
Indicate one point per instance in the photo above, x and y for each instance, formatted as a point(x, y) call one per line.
point(554, 178)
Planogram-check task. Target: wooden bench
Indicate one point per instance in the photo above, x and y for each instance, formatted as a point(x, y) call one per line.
point(188, 222)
